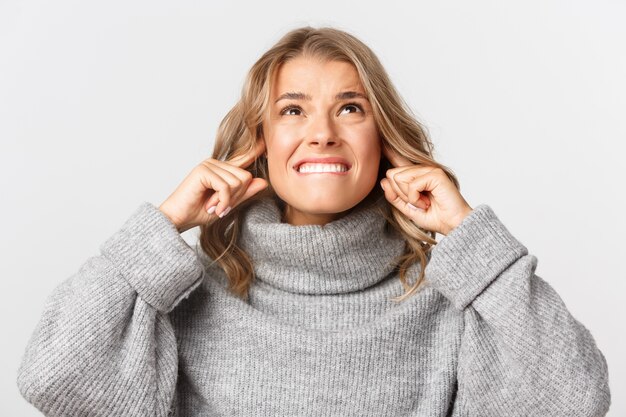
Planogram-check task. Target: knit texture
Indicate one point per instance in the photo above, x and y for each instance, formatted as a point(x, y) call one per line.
point(148, 327)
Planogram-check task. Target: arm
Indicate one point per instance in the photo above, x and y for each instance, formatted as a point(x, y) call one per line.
point(522, 352)
point(105, 345)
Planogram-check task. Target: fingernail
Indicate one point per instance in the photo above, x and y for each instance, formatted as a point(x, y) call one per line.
point(225, 212)
point(211, 209)
point(411, 206)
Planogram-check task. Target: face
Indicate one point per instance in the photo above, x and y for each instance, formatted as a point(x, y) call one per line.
point(317, 111)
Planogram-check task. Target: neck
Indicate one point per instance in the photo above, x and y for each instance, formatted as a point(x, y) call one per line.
point(296, 217)
point(345, 255)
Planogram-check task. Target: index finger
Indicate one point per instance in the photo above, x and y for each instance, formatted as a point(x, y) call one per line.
point(396, 159)
point(244, 160)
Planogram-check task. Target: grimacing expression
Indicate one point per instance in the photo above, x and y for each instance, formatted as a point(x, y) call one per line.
point(319, 109)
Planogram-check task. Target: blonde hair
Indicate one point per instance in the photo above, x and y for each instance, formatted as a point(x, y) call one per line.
point(242, 126)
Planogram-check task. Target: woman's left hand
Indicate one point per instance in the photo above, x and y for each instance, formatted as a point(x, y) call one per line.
point(440, 206)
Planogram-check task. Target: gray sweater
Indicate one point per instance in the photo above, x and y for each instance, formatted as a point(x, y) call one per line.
point(148, 328)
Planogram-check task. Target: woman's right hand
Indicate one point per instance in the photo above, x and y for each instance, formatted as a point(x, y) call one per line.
point(213, 185)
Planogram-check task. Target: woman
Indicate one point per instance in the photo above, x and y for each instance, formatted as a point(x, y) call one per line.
point(318, 208)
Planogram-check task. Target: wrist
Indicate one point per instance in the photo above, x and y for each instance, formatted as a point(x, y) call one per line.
point(457, 220)
point(163, 209)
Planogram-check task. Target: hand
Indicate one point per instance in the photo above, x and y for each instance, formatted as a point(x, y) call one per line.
point(216, 185)
point(440, 205)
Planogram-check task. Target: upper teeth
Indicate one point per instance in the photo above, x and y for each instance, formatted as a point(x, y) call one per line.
point(309, 167)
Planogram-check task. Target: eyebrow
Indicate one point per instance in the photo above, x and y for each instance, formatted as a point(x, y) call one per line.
point(345, 95)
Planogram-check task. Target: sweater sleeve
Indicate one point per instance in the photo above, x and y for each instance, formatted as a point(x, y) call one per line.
point(105, 345)
point(522, 352)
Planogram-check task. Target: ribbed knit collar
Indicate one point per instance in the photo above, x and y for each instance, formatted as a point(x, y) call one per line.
point(349, 254)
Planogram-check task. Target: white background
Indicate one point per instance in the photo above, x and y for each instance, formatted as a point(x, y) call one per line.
point(104, 105)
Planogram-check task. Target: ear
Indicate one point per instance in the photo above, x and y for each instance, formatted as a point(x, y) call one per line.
point(382, 151)
point(259, 137)
point(259, 132)
point(265, 151)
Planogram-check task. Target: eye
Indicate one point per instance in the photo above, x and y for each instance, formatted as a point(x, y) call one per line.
point(353, 106)
point(290, 108)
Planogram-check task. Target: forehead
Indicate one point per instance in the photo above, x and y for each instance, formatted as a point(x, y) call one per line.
point(315, 76)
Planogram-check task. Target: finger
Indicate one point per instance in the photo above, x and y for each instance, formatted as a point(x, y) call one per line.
point(404, 177)
point(395, 185)
point(243, 175)
point(238, 178)
point(256, 185)
point(390, 194)
point(246, 159)
point(213, 181)
point(395, 199)
point(419, 187)
point(239, 190)
point(235, 184)
point(416, 198)
point(211, 204)
point(395, 158)
point(225, 168)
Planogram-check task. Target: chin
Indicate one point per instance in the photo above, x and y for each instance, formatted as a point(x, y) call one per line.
point(329, 207)
point(322, 203)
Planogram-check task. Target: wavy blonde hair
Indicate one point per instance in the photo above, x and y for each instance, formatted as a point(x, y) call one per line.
point(242, 126)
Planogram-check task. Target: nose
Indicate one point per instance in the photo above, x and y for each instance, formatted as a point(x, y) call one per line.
point(322, 132)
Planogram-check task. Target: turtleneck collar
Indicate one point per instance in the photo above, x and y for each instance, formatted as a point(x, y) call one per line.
point(349, 254)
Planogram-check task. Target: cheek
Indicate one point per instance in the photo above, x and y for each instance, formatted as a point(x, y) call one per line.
point(370, 168)
point(279, 151)
point(369, 153)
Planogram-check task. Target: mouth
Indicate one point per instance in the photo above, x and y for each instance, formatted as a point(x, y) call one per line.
point(309, 168)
